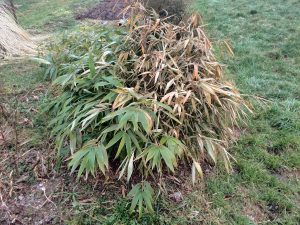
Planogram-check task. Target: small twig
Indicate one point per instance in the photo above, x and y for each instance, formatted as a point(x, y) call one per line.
point(35, 164)
point(3, 112)
point(1, 162)
point(15, 156)
point(3, 138)
point(48, 199)
point(11, 183)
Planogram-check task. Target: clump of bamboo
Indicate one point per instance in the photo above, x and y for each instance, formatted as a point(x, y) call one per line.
point(14, 41)
point(175, 65)
point(147, 100)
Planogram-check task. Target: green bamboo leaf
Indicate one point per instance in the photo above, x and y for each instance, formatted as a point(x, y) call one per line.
point(135, 120)
point(140, 208)
point(115, 139)
point(110, 129)
point(124, 119)
point(128, 144)
point(42, 61)
point(168, 157)
point(92, 66)
point(136, 199)
point(148, 200)
point(113, 81)
point(135, 190)
point(156, 162)
point(102, 158)
point(145, 120)
point(151, 152)
point(63, 80)
point(82, 167)
point(110, 97)
point(88, 120)
point(113, 115)
point(166, 107)
point(141, 136)
point(73, 141)
point(99, 84)
point(91, 159)
point(134, 140)
point(141, 195)
point(121, 145)
point(76, 158)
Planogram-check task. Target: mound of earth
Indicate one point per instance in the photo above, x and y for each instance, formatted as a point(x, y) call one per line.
point(106, 10)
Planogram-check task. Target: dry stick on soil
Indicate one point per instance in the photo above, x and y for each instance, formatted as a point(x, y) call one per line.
point(5, 117)
point(15, 156)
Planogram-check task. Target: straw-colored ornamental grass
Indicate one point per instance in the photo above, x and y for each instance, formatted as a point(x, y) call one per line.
point(14, 41)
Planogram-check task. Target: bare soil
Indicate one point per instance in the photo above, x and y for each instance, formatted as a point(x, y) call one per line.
point(106, 10)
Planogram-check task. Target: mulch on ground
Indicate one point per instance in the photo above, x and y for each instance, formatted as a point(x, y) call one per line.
point(106, 10)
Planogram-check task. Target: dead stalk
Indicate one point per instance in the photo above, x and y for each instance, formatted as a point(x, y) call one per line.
point(16, 153)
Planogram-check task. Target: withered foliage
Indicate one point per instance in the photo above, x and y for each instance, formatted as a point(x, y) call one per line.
point(175, 65)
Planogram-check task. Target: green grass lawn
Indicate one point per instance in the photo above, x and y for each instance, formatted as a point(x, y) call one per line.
point(49, 16)
point(20, 76)
point(265, 186)
point(265, 38)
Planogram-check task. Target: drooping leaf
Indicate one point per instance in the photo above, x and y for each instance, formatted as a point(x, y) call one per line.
point(142, 198)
